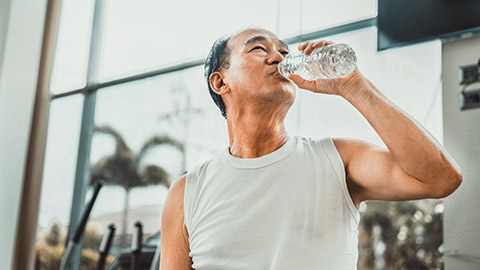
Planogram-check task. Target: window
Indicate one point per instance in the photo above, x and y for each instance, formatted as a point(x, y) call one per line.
point(170, 115)
point(58, 178)
point(71, 55)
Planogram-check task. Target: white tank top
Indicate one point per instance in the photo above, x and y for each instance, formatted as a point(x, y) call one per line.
point(289, 209)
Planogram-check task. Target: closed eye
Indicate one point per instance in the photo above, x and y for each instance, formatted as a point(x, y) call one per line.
point(284, 53)
point(259, 47)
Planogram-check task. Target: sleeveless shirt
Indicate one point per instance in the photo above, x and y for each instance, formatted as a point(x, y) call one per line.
point(289, 209)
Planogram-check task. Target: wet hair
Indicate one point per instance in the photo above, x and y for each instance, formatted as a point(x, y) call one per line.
point(217, 60)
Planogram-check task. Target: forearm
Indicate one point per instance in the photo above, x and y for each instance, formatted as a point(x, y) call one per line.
point(415, 150)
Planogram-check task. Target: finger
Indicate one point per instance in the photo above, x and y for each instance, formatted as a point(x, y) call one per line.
point(301, 82)
point(302, 46)
point(327, 43)
point(318, 44)
point(309, 48)
point(314, 45)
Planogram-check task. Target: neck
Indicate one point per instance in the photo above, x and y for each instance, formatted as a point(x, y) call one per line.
point(255, 135)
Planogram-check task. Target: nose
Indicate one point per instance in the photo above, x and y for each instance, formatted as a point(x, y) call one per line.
point(275, 58)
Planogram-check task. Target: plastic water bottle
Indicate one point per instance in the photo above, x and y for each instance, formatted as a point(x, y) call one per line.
point(328, 62)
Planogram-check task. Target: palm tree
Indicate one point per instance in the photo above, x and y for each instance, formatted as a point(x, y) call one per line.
point(123, 168)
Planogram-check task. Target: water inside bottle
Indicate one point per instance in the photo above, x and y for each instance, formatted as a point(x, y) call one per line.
point(332, 61)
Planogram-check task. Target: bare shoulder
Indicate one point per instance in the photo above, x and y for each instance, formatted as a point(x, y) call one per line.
point(349, 147)
point(351, 151)
point(173, 207)
point(174, 235)
point(177, 189)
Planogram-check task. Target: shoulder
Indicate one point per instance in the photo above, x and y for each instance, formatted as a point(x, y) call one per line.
point(172, 214)
point(174, 200)
point(349, 148)
point(174, 236)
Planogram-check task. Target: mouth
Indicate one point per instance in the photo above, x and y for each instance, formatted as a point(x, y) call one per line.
point(277, 73)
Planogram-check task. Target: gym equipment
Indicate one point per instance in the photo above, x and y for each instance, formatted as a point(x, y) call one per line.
point(144, 260)
point(79, 229)
point(136, 247)
point(105, 246)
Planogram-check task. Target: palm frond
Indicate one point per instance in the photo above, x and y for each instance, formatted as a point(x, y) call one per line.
point(116, 170)
point(121, 146)
point(154, 175)
point(122, 168)
point(156, 141)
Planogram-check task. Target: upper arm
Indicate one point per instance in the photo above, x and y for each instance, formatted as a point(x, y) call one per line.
point(374, 174)
point(174, 236)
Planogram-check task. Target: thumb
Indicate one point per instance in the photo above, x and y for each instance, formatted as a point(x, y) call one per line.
point(300, 82)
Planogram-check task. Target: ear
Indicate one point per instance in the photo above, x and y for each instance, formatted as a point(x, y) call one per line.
point(218, 84)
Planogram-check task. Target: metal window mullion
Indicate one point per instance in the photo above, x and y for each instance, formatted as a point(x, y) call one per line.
point(86, 131)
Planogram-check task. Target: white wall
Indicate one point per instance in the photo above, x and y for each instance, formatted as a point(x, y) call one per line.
point(4, 10)
point(462, 140)
point(21, 33)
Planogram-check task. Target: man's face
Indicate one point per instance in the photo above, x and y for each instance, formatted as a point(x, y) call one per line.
point(253, 77)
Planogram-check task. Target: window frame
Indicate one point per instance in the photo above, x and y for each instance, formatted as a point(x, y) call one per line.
point(93, 84)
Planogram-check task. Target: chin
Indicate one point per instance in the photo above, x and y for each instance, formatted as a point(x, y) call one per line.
point(287, 92)
point(292, 100)
point(291, 89)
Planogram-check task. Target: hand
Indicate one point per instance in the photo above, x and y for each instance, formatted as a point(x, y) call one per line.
point(339, 86)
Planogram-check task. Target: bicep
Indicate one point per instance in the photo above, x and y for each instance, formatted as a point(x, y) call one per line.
point(378, 176)
point(174, 238)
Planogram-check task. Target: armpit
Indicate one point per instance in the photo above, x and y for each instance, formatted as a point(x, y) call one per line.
point(186, 242)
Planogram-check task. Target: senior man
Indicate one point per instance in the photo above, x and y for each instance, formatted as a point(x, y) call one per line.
point(275, 201)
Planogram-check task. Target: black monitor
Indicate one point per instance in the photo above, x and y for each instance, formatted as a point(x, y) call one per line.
point(403, 22)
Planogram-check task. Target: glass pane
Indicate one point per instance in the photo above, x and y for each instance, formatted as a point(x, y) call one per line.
point(290, 18)
point(140, 35)
point(323, 14)
point(208, 20)
point(390, 232)
point(207, 129)
point(146, 34)
point(73, 42)
point(148, 114)
point(300, 17)
point(58, 179)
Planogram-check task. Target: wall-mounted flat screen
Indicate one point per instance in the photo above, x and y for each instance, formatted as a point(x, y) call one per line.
point(403, 22)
